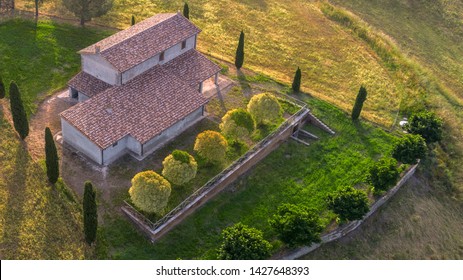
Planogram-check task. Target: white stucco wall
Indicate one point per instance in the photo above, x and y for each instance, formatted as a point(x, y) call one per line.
point(98, 67)
point(169, 54)
point(133, 145)
point(113, 152)
point(75, 138)
point(171, 132)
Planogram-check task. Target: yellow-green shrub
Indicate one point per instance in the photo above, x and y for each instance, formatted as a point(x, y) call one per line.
point(265, 109)
point(237, 124)
point(179, 167)
point(211, 146)
point(150, 191)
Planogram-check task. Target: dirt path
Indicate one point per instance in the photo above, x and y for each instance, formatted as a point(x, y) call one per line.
point(47, 116)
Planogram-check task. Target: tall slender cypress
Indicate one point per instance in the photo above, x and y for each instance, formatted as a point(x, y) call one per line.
point(2, 88)
point(361, 97)
point(239, 58)
point(132, 21)
point(186, 11)
point(51, 157)
point(297, 81)
point(90, 213)
point(20, 121)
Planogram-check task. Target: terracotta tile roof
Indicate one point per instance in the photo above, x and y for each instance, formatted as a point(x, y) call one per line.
point(192, 67)
point(136, 44)
point(88, 84)
point(143, 107)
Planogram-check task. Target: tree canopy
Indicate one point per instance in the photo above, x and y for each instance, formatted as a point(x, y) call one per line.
point(211, 146)
point(426, 124)
point(90, 213)
point(237, 124)
point(240, 242)
point(51, 157)
point(179, 167)
point(409, 148)
point(348, 203)
point(383, 174)
point(21, 124)
point(265, 109)
point(361, 97)
point(239, 58)
point(85, 10)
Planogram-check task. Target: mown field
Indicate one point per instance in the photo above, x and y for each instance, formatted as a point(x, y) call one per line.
point(335, 58)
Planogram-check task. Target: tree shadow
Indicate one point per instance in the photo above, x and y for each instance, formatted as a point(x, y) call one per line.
point(14, 211)
point(245, 86)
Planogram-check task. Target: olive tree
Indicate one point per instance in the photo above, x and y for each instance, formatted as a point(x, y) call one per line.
point(426, 124)
point(383, 174)
point(348, 203)
point(409, 149)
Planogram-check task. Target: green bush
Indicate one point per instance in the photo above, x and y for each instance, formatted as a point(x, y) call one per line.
point(179, 167)
point(211, 146)
point(296, 225)
point(240, 242)
point(348, 203)
point(237, 124)
point(409, 149)
point(426, 124)
point(150, 192)
point(265, 109)
point(383, 174)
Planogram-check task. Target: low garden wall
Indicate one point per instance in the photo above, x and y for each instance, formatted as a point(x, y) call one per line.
point(155, 230)
point(346, 229)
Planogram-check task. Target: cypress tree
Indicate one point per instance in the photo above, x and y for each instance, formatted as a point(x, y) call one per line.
point(51, 157)
point(297, 80)
point(2, 88)
point(17, 110)
point(239, 58)
point(361, 97)
point(90, 213)
point(133, 20)
point(186, 11)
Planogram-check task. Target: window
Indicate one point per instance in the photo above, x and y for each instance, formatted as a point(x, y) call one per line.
point(161, 56)
point(183, 44)
point(115, 144)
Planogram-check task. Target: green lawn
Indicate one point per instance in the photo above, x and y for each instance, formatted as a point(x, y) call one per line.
point(37, 221)
point(41, 58)
point(293, 173)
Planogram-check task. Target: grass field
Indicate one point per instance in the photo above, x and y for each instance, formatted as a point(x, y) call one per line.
point(37, 221)
point(334, 64)
point(44, 59)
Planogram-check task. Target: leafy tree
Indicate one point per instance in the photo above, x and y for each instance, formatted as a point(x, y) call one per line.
point(241, 242)
point(237, 124)
point(426, 124)
point(348, 203)
point(85, 10)
point(383, 174)
point(186, 11)
point(361, 97)
point(90, 213)
point(2, 88)
point(150, 191)
point(21, 124)
point(51, 157)
point(179, 167)
point(297, 81)
point(211, 146)
point(239, 58)
point(409, 148)
point(265, 109)
point(296, 225)
point(132, 21)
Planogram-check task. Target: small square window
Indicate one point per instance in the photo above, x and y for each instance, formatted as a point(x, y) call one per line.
point(161, 56)
point(183, 44)
point(115, 144)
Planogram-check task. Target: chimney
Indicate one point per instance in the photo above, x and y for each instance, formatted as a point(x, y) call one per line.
point(97, 48)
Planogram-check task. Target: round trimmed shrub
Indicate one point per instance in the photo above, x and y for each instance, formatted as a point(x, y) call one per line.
point(179, 167)
point(237, 124)
point(296, 225)
point(150, 191)
point(241, 242)
point(265, 109)
point(211, 146)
